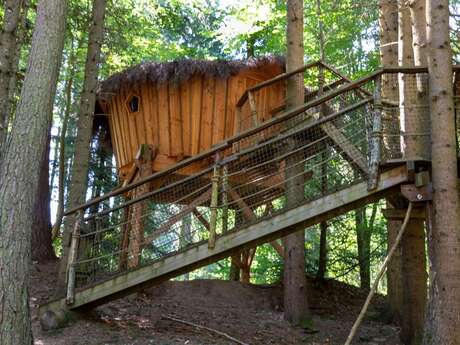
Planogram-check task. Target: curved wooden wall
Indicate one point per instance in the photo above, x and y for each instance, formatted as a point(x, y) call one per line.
point(183, 120)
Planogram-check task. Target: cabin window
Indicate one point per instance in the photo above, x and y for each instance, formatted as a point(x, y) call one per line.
point(133, 104)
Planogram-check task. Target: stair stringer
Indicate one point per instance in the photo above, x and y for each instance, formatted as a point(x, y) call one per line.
point(200, 255)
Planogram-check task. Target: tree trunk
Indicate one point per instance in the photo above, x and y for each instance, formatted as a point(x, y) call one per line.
point(296, 310)
point(8, 44)
point(234, 273)
point(62, 144)
point(14, 87)
point(388, 21)
point(443, 310)
point(322, 262)
point(19, 173)
point(418, 20)
point(246, 260)
point(42, 249)
point(79, 172)
point(414, 282)
point(414, 147)
point(394, 272)
point(363, 240)
point(54, 166)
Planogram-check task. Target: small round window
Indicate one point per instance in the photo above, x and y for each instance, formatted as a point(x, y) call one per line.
point(133, 104)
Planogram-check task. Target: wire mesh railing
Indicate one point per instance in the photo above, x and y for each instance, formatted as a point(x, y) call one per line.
point(305, 153)
point(253, 109)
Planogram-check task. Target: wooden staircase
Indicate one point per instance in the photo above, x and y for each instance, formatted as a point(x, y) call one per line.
point(332, 149)
point(200, 255)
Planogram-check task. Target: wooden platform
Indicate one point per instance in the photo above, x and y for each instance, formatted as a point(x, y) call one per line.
point(200, 255)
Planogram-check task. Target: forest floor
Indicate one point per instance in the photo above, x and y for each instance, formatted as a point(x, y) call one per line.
point(249, 313)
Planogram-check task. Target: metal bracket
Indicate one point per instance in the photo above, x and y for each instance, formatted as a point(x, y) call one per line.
point(417, 194)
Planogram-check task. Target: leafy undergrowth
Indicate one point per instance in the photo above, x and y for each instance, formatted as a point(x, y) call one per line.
point(250, 313)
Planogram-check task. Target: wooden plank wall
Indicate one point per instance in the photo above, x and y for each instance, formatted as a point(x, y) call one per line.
point(182, 120)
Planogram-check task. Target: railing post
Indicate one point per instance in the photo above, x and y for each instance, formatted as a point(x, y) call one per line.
point(214, 201)
point(70, 297)
point(224, 198)
point(376, 138)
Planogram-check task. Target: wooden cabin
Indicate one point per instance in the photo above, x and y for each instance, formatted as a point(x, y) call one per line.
point(181, 108)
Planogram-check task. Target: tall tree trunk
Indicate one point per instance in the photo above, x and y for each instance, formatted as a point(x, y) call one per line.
point(79, 173)
point(444, 306)
point(234, 273)
point(414, 282)
point(62, 144)
point(42, 249)
point(414, 278)
point(54, 166)
point(296, 310)
point(388, 21)
point(363, 240)
point(14, 87)
point(322, 262)
point(19, 172)
point(8, 44)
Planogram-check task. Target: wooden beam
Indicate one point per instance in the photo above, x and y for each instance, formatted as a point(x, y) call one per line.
point(247, 212)
point(345, 145)
point(190, 207)
point(274, 80)
point(394, 213)
point(130, 175)
point(200, 255)
point(278, 247)
point(250, 216)
point(201, 218)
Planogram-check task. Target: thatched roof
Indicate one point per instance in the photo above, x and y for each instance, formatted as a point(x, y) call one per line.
point(178, 71)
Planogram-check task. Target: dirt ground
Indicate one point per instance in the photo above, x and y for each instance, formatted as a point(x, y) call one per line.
point(249, 313)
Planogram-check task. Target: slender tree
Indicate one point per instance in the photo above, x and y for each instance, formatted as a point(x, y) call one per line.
point(296, 309)
point(8, 43)
point(444, 241)
point(388, 22)
point(42, 249)
point(414, 277)
point(21, 40)
point(79, 172)
point(364, 228)
point(19, 173)
point(322, 262)
point(62, 140)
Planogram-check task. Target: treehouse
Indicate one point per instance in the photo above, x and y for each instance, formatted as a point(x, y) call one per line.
point(183, 108)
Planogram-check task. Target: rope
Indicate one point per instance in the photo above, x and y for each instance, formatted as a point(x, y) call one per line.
point(379, 276)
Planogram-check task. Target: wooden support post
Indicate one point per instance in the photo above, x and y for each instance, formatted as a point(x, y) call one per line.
point(253, 106)
point(249, 215)
point(143, 161)
point(70, 297)
point(123, 261)
point(224, 199)
point(238, 129)
point(214, 202)
point(376, 140)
